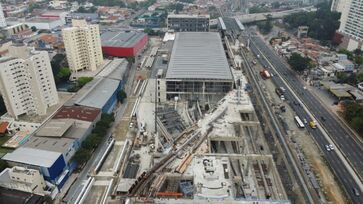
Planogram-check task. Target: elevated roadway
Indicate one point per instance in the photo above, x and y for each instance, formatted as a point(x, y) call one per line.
point(249, 18)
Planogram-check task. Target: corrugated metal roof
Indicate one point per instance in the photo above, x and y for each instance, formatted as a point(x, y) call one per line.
point(78, 113)
point(99, 94)
point(32, 156)
point(198, 55)
point(61, 145)
point(121, 39)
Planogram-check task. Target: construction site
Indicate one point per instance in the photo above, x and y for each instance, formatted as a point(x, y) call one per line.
point(182, 151)
point(195, 147)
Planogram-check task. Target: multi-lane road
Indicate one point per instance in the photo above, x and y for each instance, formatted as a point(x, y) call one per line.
point(342, 137)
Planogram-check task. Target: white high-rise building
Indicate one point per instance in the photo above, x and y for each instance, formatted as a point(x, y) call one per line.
point(83, 46)
point(351, 24)
point(26, 81)
point(2, 17)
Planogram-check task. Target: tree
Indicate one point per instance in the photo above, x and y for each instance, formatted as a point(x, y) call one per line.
point(265, 26)
point(131, 60)
point(322, 23)
point(82, 156)
point(2, 106)
point(258, 9)
point(3, 165)
point(353, 114)
point(109, 118)
point(299, 63)
point(275, 5)
point(121, 95)
point(358, 60)
point(33, 28)
point(81, 9)
point(91, 141)
point(360, 77)
point(349, 78)
point(81, 81)
point(63, 74)
point(346, 52)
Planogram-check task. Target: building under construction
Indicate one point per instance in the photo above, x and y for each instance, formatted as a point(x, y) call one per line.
point(221, 158)
point(198, 68)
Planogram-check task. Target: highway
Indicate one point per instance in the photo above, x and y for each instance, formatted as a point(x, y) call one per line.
point(299, 177)
point(341, 136)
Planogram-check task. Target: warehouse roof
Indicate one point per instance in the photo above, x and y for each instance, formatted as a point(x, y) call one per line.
point(78, 113)
point(198, 55)
point(116, 69)
point(98, 95)
point(32, 156)
point(55, 128)
point(121, 39)
point(60, 145)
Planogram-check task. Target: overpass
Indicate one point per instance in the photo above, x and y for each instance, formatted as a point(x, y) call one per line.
point(249, 18)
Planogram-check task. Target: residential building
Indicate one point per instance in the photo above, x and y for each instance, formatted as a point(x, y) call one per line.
point(188, 23)
point(83, 46)
point(23, 179)
point(2, 17)
point(26, 81)
point(51, 164)
point(351, 25)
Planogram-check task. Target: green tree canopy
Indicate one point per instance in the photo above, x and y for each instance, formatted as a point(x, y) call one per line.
point(299, 63)
point(121, 96)
point(322, 23)
point(353, 113)
point(81, 81)
point(82, 156)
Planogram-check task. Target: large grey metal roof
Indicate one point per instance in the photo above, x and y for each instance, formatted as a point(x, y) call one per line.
point(32, 156)
point(61, 145)
point(121, 39)
point(198, 55)
point(98, 95)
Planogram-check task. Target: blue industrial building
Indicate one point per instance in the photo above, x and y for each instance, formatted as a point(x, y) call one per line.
point(50, 164)
point(102, 95)
point(102, 92)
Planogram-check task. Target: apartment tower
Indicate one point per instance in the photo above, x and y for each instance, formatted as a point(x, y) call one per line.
point(2, 17)
point(351, 24)
point(83, 46)
point(26, 81)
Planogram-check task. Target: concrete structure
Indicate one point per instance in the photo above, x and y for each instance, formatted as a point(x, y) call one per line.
point(83, 46)
point(123, 44)
point(302, 31)
point(17, 29)
point(197, 67)
point(188, 23)
point(44, 23)
point(2, 17)
point(27, 83)
point(351, 26)
point(23, 179)
point(89, 17)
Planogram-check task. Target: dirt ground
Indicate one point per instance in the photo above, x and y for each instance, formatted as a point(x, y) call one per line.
point(326, 178)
